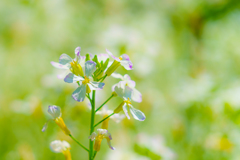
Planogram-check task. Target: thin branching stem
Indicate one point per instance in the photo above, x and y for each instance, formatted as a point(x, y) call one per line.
point(104, 103)
point(79, 143)
point(103, 120)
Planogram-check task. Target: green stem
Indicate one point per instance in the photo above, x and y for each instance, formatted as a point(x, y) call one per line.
point(92, 125)
point(104, 103)
point(95, 153)
point(103, 78)
point(79, 143)
point(103, 120)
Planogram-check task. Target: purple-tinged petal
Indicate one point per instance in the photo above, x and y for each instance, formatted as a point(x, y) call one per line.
point(113, 87)
point(136, 95)
point(125, 57)
point(80, 93)
point(90, 67)
point(137, 114)
point(92, 136)
point(46, 125)
point(65, 59)
point(127, 64)
point(125, 109)
point(109, 138)
point(55, 111)
point(117, 59)
point(96, 85)
point(59, 66)
point(131, 83)
point(77, 51)
point(71, 78)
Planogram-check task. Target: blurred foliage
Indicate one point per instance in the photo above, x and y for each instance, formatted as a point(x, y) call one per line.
point(186, 58)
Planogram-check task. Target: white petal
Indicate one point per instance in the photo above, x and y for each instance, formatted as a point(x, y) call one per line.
point(117, 117)
point(96, 85)
point(117, 75)
point(117, 59)
point(127, 64)
point(80, 93)
point(55, 111)
point(102, 131)
point(65, 59)
point(71, 78)
point(59, 66)
point(56, 146)
point(123, 90)
point(125, 109)
point(102, 57)
point(90, 67)
point(131, 83)
point(137, 114)
point(136, 96)
point(113, 87)
point(126, 77)
point(127, 92)
point(92, 136)
point(65, 144)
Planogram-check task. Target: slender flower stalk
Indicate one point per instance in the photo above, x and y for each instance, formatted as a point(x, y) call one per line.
point(79, 143)
point(113, 95)
point(103, 119)
point(92, 125)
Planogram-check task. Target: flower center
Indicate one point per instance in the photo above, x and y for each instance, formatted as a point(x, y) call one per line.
point(127, 101)
point(86, 80)
point(120, 58)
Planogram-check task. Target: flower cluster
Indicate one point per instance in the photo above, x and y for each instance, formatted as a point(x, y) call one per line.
point(89, 72)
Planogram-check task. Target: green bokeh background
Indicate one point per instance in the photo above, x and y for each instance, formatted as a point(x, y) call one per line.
point(186, 57)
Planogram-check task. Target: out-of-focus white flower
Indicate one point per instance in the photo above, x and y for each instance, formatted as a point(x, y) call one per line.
point(126, 93)
point(102, 133)
point(124, 154)
point(58, 146)
point(126, 81)
point(55, 112)
point(106, 112)
point(157, 145)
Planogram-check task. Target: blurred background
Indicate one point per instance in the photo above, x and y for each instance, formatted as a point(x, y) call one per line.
point(186, 57)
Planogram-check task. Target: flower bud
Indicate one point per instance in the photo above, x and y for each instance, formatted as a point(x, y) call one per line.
point(59, 121)
point(76, 69)
point(112, 68)
point(119, 108)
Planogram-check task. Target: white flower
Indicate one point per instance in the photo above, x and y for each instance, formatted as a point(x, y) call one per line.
point(126, 81)
point(102, 133)
point(58, 146)
point(86, 84)
point(106, 112)
point(125, 93)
